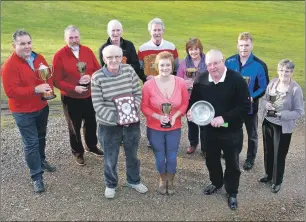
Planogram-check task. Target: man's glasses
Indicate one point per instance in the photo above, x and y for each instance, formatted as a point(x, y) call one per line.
point(213, 63)
point(113, 57)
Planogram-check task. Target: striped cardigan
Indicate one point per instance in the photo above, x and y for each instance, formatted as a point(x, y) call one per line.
point(104, 88)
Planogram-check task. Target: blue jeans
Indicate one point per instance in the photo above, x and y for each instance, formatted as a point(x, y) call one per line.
point(33, 129)
point(110, 138)
point(165, 146)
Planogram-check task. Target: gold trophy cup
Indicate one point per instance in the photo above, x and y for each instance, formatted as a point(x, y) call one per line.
point(166, 109)
point(81, 66)
point(44, 73)
point(191, 74)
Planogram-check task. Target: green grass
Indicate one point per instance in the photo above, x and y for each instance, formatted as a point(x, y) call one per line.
point(277, 27)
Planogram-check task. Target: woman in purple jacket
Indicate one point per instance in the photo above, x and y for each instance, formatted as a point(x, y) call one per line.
point(283, 104)
point(189, 68)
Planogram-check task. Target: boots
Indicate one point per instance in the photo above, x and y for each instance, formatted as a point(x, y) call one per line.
point(162, 188)
point(170, 178)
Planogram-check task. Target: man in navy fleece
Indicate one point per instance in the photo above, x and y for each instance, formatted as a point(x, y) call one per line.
point(255, 72)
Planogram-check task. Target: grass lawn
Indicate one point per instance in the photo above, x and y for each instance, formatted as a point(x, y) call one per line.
point(277, 27)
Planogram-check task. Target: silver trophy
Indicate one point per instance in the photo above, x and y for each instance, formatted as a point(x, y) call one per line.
point(166, 109)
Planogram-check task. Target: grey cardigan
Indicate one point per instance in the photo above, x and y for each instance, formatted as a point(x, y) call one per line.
point(293, 107)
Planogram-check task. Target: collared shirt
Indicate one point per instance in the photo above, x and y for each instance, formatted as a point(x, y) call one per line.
point(210, 79)
point(108, 73)
point(75, 51)
point(161, 43)
point(30, 61)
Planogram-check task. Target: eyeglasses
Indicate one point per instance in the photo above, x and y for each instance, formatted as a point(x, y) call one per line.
point(288, 71)
point(213, 63)
point(113, 57)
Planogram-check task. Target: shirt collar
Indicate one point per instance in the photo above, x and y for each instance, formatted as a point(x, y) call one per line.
point(210, 79)
point(161, 43)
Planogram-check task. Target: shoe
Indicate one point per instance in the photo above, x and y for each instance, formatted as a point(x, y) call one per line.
point(210, 189)
point(149, 145)
point(232, 202)
point(191, 149)
point(38, 186)
point(141, 188)
point(264, 179)
point(275, 188)
point(248, 164)
point(162, 187)
point(110, 192)
point(95, 151)
point(79, 159)
point(48, 167)
point(170, 179)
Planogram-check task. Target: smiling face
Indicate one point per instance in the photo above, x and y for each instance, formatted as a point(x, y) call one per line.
point(23, 46)
point(284, 74)
point(215, 64)
point(156, 33)
point(72, 38)
point(245, 48)
point(112, 56)
point(115, 33)
point(165, 67)
point(194, 52)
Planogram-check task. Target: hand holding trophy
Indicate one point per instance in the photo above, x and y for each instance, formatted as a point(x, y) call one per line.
point(166, 109)
point(191, 74)
point(248, 80)
point(272, 98)
point(44, 73)
point(81, 66)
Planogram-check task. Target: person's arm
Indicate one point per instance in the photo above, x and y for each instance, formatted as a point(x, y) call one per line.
point(133, 58)
point(101, 56)
point(176, 61)
point(195, 93)
point(59, 75)
point(145, 102)
point(96, 65)
point(297, 106)
point(136, 91)
point(182, 69)
point(103, 112)
point(242, 104)
point(262, 82)
point(141, 73)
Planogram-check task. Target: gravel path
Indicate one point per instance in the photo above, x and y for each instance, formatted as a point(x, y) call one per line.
point(77, 193)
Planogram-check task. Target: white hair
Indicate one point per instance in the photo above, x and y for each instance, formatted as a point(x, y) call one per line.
point(111, 24)
point(213, 54)
point(112, 49)
point(69, 29)
point(156, 21)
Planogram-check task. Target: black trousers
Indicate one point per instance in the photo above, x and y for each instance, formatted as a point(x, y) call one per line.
point(251, 125)
point(231, 144)
point(77, 110)
point(193, 135)
point(276, 146)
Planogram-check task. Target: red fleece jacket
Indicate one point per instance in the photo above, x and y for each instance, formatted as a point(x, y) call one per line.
point(19, 81)
point(66, 75)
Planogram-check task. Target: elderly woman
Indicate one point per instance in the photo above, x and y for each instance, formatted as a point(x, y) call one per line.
point(114, 31)
point(284, 105)
point(108, 85)
point(189, 68)
point(164, 102)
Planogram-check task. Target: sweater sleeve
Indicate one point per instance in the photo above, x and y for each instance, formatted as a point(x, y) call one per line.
point(297, 106)
point(145, 102)
point(242, 104)
point(101, 55)
point(136, 91)
point(96, 65)
point(59, 75)
point(11, 83)
point(133, 58)
point(262, 82)
point(182, 69)
point(185, 98)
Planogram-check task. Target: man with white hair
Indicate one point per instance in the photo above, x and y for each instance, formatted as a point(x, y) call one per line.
point(149, 50)
point(76, 98)
point(115, 31)
point(228, 93)
point(108, 84)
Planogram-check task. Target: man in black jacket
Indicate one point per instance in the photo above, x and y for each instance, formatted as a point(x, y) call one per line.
point(114, 31)
point(228, 93)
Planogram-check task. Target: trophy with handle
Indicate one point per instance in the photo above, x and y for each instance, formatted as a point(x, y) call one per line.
point(272, 98)
point(44, 73)
point(191, 74)
point(247, 79)
point(81, 66)
point(166, 109)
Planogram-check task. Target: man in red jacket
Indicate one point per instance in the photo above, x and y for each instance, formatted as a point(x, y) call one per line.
point(75, 95)
point(24, 91)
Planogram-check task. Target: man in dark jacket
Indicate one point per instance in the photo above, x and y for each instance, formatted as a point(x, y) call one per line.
point(228, 93)
point(114, 31)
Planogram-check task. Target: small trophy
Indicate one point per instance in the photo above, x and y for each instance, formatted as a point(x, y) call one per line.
point(44, 73)
point(166, 109)
point(191, 74)
point(248, 80)
point(81, 66)
point(272, 99)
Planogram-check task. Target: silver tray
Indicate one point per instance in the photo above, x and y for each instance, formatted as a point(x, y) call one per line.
point(202, 113)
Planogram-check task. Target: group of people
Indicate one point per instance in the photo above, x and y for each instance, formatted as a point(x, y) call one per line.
point(108, 98)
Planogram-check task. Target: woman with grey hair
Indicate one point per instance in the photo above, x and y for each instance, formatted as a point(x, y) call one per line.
point(283, 102)
point(114, 31)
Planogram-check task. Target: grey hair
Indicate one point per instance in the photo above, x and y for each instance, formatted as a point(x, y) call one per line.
point(70, 28)
point(111, 24)
point(286, 63)
point(20, 32)
point(213, 53)
point(112, 48)
point(156, 21)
